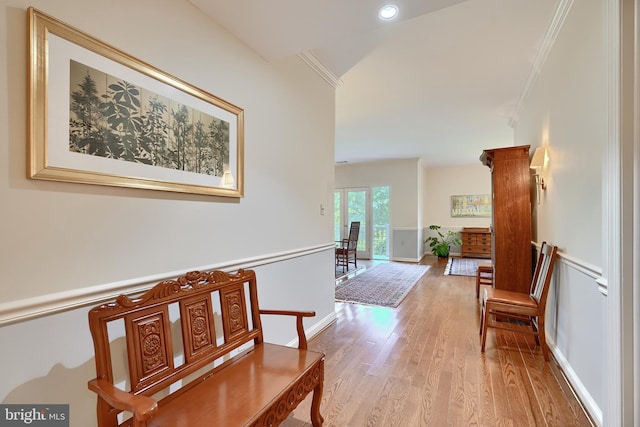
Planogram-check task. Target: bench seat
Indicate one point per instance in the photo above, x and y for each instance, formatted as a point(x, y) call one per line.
point(224, 402)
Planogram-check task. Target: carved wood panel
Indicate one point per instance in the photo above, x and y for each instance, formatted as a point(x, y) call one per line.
point(149, 338)
point(234, 312)
point(198, 332)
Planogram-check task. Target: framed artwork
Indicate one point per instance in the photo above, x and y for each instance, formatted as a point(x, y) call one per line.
point(472, 206)
point(100, 116)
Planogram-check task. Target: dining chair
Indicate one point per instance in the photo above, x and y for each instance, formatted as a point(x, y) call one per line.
point(521, 312)
point(346, 248)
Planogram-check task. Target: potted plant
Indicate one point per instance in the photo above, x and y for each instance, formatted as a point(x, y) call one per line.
point(441, 244)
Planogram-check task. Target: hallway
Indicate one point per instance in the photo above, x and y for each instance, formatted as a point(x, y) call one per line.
point(420, 365)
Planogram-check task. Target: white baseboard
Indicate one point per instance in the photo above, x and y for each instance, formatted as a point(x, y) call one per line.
point(405, 259)
point(581, 392)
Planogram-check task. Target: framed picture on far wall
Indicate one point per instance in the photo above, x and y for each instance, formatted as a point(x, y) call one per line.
point(100, 116)
point(471, 206)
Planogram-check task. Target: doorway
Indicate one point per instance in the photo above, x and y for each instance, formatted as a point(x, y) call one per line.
point(370, 206)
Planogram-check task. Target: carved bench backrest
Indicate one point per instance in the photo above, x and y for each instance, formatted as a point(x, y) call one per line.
point(205, 302)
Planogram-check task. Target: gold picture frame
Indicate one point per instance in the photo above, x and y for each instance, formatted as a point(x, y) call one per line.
point(97, 115)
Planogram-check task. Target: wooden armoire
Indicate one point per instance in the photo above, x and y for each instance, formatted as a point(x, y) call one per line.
point(511, 217)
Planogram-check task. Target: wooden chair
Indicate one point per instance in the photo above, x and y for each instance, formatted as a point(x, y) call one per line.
point(510, 308)
point(346, 248)
point(484, 276)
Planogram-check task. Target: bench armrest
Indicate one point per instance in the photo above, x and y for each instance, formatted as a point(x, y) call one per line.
point(142, 407)
point(302, 338)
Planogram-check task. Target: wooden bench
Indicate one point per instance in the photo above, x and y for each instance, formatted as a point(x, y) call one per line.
point(195, 356)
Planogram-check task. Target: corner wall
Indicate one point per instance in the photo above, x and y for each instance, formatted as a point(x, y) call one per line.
point(65, 246)
point(566, 111)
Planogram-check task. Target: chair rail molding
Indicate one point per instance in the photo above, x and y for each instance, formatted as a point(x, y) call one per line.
point(584, 267)
point(42, 305)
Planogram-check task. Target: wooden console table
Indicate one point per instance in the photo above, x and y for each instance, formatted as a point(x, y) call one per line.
point(476, 242)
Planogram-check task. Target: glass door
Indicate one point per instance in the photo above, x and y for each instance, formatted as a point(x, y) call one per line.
point(380, 216)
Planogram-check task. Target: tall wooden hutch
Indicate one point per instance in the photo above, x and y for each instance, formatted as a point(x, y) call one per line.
point(511, 217)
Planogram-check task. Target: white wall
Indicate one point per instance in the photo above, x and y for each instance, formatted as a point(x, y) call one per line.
point(63, 245)
point(445, 181)
point(442, 182)
point(567, 111)
point(400, 175)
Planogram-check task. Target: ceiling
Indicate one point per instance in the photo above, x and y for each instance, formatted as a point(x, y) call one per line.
point(441, 82)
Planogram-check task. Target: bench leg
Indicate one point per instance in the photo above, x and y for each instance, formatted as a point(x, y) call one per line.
point(316, 418)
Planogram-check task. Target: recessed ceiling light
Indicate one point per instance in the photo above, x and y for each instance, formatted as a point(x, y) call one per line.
point(388, 11)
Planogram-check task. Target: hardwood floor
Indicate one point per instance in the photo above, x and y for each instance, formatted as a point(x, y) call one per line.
point(420, 365)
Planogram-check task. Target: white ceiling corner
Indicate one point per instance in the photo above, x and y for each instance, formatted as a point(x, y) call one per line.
point(444, 81)
point(556, 23)
point(316, 65)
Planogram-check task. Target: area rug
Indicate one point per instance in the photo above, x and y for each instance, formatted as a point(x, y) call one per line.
point(384, 285)
point(463, 266)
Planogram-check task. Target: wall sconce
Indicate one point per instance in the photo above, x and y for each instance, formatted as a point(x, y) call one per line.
point(538, 163)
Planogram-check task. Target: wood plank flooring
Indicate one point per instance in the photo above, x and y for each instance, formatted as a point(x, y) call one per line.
point(420, 365)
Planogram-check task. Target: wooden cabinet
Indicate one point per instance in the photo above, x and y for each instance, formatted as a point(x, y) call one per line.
point(476, 242)
point(511, 216)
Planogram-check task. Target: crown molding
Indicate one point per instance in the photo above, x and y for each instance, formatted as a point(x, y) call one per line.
point(316, 65)
point(555, 25)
